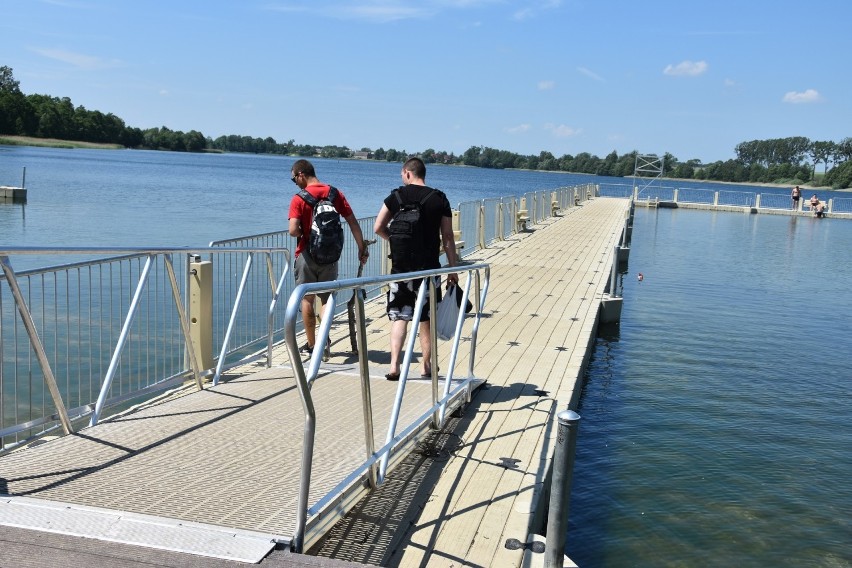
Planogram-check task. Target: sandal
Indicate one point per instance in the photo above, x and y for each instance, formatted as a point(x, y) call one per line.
point(429, 374)
point(392, 376)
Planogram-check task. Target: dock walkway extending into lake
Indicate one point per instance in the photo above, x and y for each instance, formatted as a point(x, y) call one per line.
point(228, 456)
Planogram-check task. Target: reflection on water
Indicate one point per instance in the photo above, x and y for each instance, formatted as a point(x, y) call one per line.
point(714, 425)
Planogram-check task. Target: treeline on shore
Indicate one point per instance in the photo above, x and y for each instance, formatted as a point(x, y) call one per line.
point(783, 160)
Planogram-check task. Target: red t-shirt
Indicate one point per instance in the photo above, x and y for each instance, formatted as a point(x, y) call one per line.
point(299, 209)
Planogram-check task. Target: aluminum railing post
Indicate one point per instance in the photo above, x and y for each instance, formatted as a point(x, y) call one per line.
point(276, 294)
point(37, 345)
point(433, 355)
point(234, 310)
point(560, 488)
point(366, 393)
point(122, 340)
point(184, 322)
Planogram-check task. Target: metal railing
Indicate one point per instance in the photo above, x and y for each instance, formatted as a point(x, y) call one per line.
point(78, 309)
point(690, 195)
point(840, 205)
point(374, 468)
point(737, 198)
point(78, 338)
point(486, 221)
point(697, 198)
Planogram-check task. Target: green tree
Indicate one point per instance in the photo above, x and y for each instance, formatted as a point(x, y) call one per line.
point(471, 156)
point(843, 151)
point(16, 115)
point(8, 83)
point(821, 152)
point(840, 177)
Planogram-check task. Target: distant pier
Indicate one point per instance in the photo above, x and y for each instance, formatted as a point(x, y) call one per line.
point(13, 193)
point(10, 193)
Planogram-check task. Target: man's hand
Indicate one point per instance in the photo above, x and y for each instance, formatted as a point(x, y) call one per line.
point(364, 252)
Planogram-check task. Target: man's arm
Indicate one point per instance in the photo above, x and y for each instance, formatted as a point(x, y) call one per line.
point(295, 227)
point(382, 221)
point(363, 253)
point(449, 242)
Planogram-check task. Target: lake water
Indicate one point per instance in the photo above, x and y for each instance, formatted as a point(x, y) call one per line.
point(148, 198)
point(714, 425)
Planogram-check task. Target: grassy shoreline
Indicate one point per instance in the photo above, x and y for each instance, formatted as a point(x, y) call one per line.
point(10, 140)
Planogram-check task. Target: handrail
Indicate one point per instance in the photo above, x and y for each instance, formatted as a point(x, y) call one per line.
point(304, 379)
point(131, 252)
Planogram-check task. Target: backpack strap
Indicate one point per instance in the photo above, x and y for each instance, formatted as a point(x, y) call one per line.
point(308, 198)
point(312, 201)
point(422, 202)
point(427, 196)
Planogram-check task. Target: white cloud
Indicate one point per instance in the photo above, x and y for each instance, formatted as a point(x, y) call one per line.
point(378, 11)
point(164, 93)
point(546, 85)
point(519, 128)
point(381, 12)
point(522, 15)
point(590, 74)
point(686, 68)
point(561, 131)
point(386, 11)
point(730, 83)
point(536, 9)
point(78, 59)
point(808, 96)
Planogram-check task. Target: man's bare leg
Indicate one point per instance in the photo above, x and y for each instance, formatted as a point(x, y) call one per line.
point(426, 348)
point(399, 330)
point(309, 318)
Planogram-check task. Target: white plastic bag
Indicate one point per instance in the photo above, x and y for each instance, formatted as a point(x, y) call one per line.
point(448, 314)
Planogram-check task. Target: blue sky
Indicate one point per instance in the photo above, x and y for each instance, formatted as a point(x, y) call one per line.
point(693, 78)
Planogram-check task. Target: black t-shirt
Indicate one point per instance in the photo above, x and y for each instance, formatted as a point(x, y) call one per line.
point(431, 213)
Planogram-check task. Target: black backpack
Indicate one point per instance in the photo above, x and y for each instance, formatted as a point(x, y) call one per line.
point(325, 243)
point(408, 239)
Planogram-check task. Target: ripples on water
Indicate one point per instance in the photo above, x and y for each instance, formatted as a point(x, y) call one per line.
point(715, 423)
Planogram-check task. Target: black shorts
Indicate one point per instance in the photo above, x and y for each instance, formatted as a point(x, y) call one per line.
point(402, 296)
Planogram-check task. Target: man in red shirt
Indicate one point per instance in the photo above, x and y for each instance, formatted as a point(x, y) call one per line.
point(300, 217)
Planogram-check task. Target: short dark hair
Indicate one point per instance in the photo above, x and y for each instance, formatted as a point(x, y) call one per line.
point(304, 167)
point(416, 167)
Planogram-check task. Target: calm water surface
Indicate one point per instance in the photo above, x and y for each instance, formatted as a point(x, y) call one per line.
point(715, 423)
point(147, 198)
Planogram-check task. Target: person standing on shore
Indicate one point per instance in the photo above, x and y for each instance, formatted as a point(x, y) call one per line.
point(305, 268)
point(415, 248)
point(795, 195)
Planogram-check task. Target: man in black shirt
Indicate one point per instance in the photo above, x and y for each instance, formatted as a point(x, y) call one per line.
point(433, 228)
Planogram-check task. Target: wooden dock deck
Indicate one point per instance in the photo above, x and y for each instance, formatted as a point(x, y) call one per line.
point(229, 456)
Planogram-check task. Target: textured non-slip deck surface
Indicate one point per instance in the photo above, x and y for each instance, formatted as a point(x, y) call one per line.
point(230, 455)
